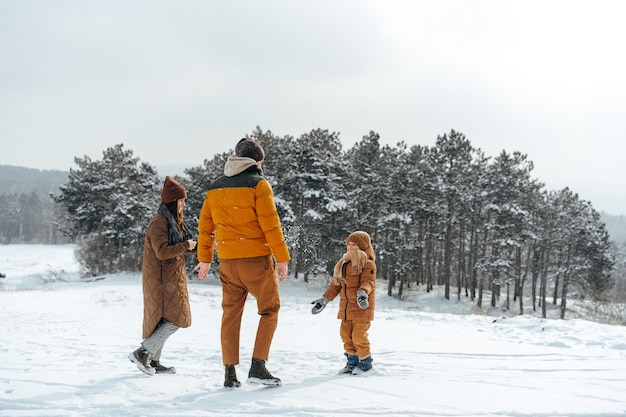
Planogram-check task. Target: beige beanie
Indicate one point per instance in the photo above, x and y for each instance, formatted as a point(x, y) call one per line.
point(362, 239)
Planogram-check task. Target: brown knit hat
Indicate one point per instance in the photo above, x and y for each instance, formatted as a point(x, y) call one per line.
point(172, 191)
point(250, 148)
point(362, 239)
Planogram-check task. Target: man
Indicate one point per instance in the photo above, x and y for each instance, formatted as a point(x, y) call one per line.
point(239, 219)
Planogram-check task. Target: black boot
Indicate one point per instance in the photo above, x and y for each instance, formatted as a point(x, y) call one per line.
point(141, 358)
point(160, 369)
point(230, 377)
point(260, 375)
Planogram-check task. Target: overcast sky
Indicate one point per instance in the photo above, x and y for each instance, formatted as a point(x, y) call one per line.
point(179, 81)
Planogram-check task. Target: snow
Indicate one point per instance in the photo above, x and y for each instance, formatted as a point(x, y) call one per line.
point(64, 343)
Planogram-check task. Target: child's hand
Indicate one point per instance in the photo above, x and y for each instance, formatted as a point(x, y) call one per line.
point(362, 299)
point(320, 303)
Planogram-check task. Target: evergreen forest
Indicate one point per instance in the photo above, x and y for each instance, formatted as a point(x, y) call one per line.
point(447, 215)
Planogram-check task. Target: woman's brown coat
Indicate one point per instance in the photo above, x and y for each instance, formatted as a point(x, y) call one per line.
point(164, 278)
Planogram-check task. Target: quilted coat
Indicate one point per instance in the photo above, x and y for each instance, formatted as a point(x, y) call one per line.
point(164, 278)
point(366, 280)
point(239, 217)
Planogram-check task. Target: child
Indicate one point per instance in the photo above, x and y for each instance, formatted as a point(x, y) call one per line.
point(354, 280)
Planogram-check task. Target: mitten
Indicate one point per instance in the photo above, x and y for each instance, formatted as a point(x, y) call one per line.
point(362, 299)
point(320, 303)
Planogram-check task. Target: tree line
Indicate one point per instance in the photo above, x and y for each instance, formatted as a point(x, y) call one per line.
point(448, 215)
point(26, 218)
point(27, 214)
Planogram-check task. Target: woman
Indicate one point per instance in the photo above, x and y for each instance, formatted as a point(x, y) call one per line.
point(164, 279)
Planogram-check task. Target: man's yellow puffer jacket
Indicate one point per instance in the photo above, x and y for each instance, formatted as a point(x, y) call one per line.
point(239, 216)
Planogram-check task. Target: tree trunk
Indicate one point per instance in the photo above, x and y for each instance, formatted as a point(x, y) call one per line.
point(427, 261)
point(447, 248)
point(523, 279)
point(461, 270)
point(392, 283)
point(566, 279)
point(564, 297)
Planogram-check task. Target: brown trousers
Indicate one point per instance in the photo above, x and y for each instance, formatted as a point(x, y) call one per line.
point(239, 277)
point(354, 336)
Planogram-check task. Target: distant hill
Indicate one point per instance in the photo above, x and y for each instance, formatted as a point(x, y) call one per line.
point(20, 180)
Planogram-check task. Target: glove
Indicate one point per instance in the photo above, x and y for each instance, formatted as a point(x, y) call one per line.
point(362, 299)
point(320, 303)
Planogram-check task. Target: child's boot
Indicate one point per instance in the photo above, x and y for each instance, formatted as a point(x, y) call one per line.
point(364, 365)
point(352, 362)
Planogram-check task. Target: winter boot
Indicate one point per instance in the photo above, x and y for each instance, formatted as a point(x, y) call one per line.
point(260, 375)
point(141, 358)
point(364, 365)
point(353, 361)
point(230, 377)
point(160, 369)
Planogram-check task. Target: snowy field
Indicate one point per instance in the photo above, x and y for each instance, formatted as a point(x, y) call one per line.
point(64, 344)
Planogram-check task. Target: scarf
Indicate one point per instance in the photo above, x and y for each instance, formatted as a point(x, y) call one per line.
point(175, 235)
point(356, 257)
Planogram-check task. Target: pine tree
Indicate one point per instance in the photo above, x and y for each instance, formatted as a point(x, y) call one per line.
point(452, 158)
point(109, 203)
point(315, 167)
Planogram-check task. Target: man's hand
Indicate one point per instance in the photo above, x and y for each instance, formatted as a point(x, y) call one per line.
point(281, 270)
point(203, 269)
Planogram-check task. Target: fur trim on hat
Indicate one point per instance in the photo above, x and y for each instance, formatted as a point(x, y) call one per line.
point(172, 191)
point(250, 148)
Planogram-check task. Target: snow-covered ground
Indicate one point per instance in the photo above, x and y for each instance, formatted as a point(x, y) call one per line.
point(64, 344)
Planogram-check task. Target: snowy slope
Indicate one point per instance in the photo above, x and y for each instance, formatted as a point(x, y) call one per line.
point(63, 348)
